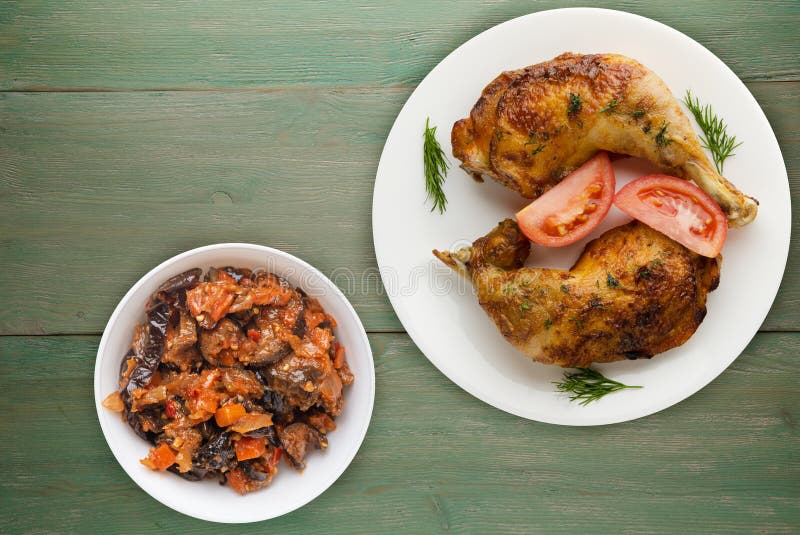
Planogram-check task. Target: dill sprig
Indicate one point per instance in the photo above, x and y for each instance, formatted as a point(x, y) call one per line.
point(588, 385)
point(575, 103)
point(715, 132)
point(608, 107)
point(436, 165)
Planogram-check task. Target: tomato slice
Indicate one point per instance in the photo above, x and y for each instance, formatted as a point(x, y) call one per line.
point(573, 208)
point(677, 208)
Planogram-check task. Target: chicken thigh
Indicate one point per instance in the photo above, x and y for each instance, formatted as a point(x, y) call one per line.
point(632, 294)
point(532, 127)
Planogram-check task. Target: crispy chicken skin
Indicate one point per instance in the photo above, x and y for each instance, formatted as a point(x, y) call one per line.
point(531, 127)
point(633, 293)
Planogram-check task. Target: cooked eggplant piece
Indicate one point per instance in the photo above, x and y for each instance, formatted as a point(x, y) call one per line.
point(216, 454)
point(158, 319)
point(179, 283)
point(251, 470)
point(296, 439)
point(148, 361)
point(269, 325)
point(134, 420)
point(240, 275)
point(195, 474)
point(305, 382)
point(123, 366)
point(272, 402)
point(207, 429)
point(268, 432)
point(224, 344)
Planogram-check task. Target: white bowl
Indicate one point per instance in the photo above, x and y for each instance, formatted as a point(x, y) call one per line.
point(289, 490)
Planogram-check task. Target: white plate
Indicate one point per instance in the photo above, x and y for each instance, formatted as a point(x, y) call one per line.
point(289, 489)
point(442, 315)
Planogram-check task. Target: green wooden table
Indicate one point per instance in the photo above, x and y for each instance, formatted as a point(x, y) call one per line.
point(131, 131)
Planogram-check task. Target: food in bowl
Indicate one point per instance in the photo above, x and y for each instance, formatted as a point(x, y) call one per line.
point(228, 374)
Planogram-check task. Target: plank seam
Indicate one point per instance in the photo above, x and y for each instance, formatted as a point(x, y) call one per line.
point(369, 331)
point(793, 79)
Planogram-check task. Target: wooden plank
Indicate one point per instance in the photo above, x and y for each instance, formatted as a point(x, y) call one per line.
point(436, 459)
point(97, 188)
point(191, 44)
point(780, 104)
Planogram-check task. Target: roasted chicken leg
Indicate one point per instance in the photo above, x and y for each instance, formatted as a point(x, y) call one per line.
point(533, 126)
point(632, 294)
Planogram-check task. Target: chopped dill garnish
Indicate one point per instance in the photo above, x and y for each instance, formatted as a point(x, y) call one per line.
point(661, 137)
point(596, 302)
point(575, 103)
point(548, 323)
point(637, 113)
point(611, 282)
point(715, 132)
point(608, 107)
point(578, 323)
point(565, 289)
point(436, 166)
point(588, 385)
point(539, 148)
point(524, 306)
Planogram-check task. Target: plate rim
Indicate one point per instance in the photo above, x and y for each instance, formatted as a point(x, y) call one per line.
point(468, 386)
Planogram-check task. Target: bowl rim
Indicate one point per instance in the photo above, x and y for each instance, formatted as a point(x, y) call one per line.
point(336, 292)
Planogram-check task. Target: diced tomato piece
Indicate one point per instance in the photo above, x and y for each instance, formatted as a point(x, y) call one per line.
point(272, 295)
point(313, 319)
point(214, 298)
point(221, 305)
point(237, 480)
point(250, 447)
point(203, 398)
point(209, 377)
point(338, 355)
point(170, 408)
point(207, 403)
point(254, 335)
point(321, 338)
point(573, 208)
point(229, 414)
point(276, 456)
point(160, 458)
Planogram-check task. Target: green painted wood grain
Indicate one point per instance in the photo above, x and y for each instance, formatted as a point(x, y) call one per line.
point(86, 176)
point(283, 152)
point(194, 44)
point(436, 459)
point(97, 188)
